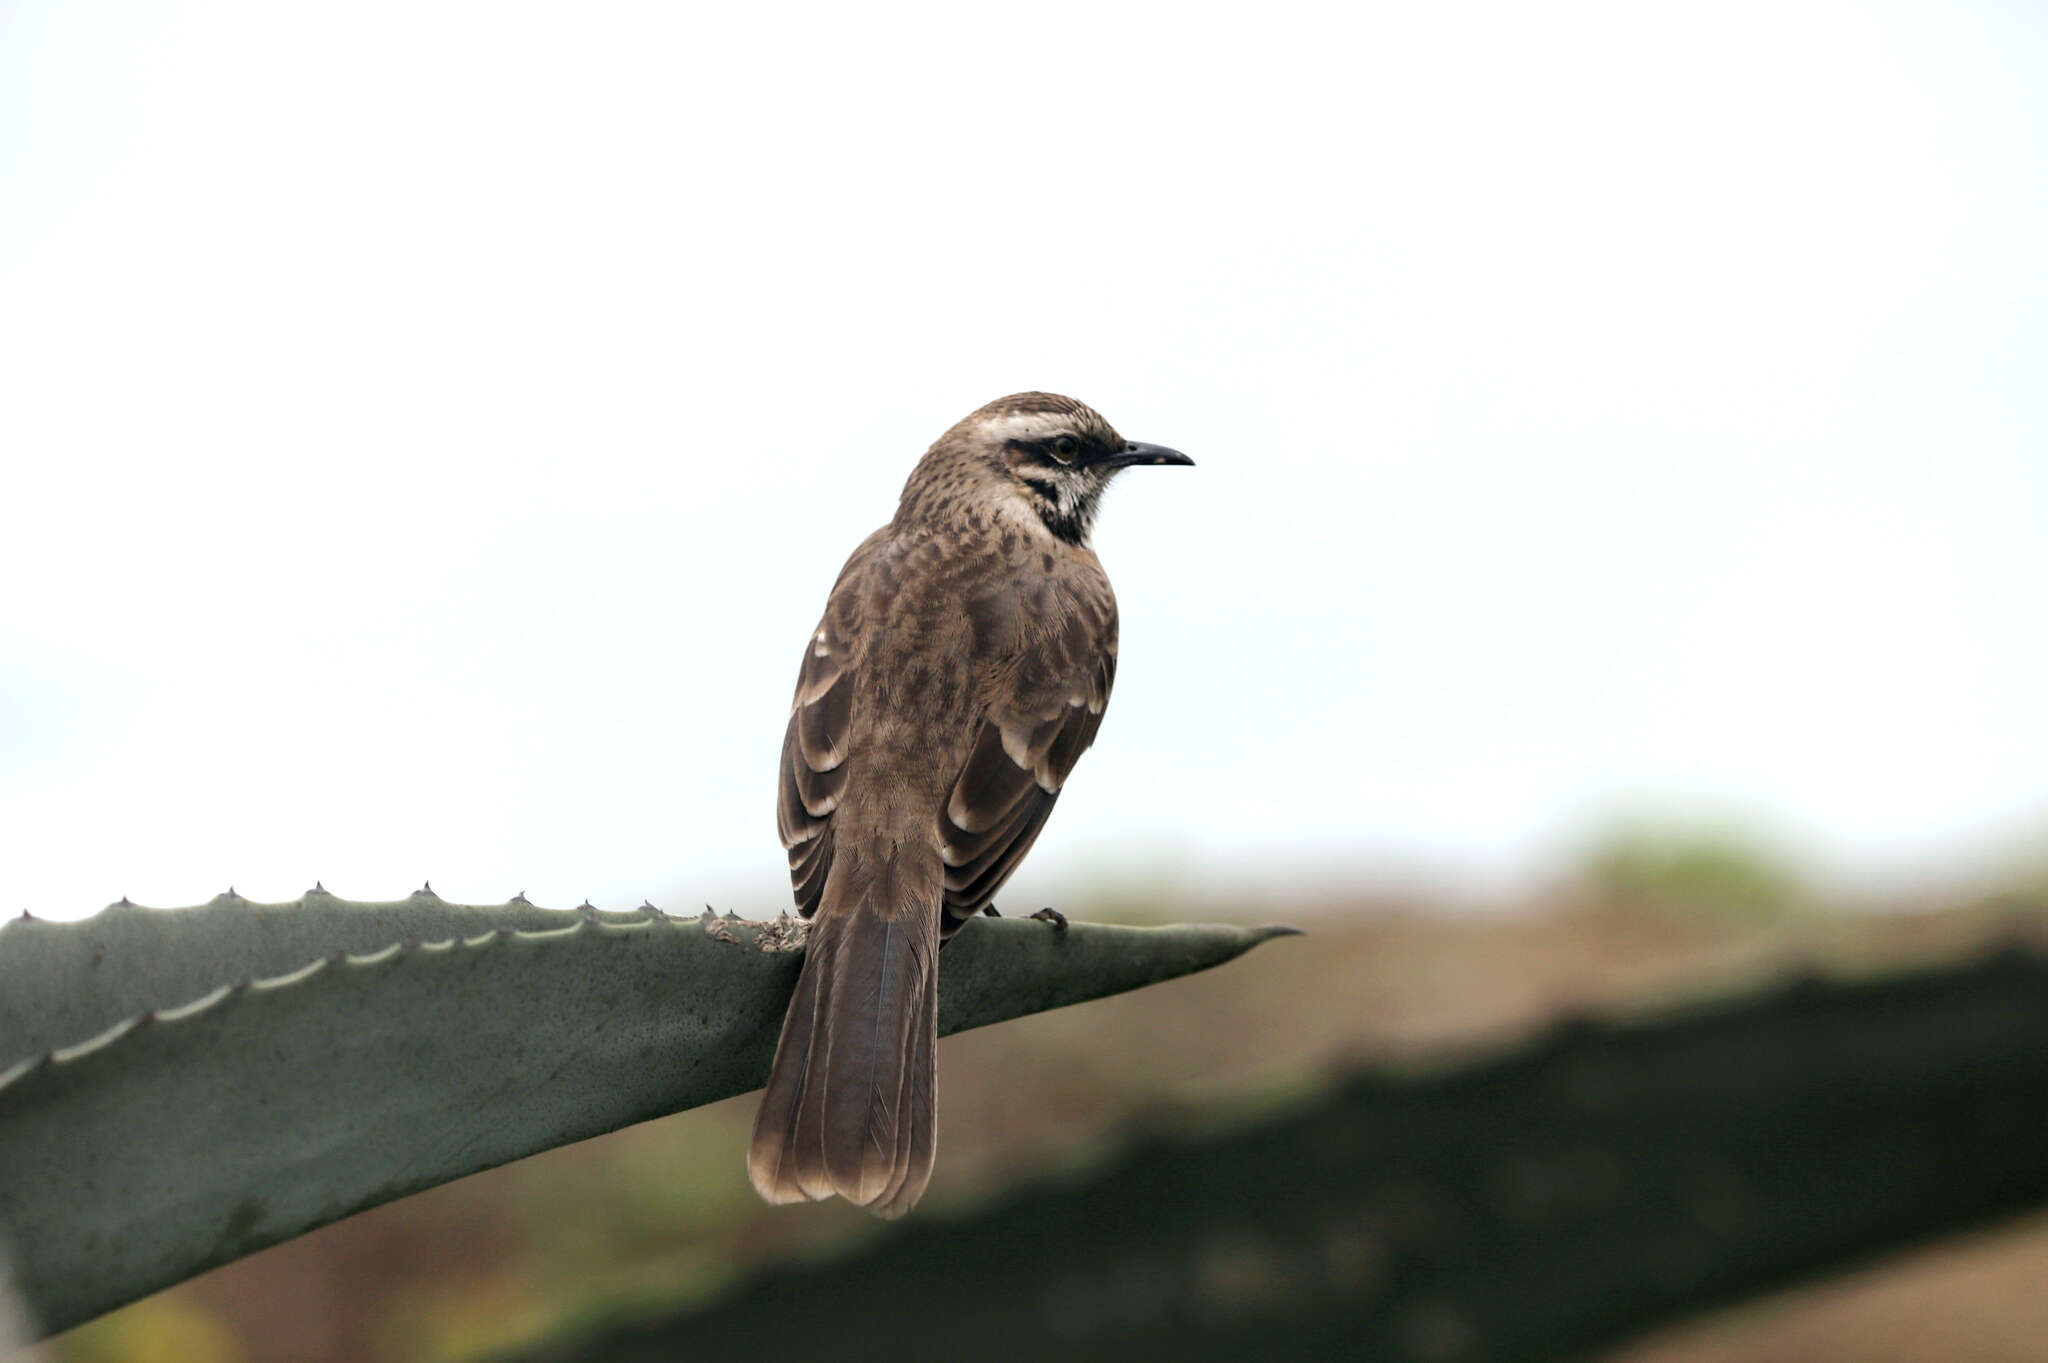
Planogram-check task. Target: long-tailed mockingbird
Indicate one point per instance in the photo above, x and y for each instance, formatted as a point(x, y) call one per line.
point(960, 670)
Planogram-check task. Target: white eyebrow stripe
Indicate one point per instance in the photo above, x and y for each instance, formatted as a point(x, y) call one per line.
point(1028, 425)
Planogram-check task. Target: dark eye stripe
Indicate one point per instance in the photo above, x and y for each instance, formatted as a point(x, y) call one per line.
point(1044, 451)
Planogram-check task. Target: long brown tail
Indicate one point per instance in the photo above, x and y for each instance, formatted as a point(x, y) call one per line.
point(851, 1105)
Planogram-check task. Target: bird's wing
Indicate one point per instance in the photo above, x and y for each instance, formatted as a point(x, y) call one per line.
point(1022, 754)
point(814, 748)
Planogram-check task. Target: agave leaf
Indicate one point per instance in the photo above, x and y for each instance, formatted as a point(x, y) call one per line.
point(184, 1088)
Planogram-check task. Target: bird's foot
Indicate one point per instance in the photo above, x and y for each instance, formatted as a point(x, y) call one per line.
point(1052, 916)
point(989, 910)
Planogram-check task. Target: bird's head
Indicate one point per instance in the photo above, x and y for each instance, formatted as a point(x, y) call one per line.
point(1052, 454)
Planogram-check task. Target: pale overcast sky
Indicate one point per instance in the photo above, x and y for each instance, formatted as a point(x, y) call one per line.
point(429, 431)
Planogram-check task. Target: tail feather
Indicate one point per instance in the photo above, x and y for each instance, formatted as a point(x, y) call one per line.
point(804, 1152)
point(864, 1115)
point(914, 1153)
point(771, 1164)
point(850, 1104)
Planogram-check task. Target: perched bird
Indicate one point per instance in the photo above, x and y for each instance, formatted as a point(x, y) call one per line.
point(961, 667)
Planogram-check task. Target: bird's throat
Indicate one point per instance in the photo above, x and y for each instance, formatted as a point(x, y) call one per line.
point(1065, 505)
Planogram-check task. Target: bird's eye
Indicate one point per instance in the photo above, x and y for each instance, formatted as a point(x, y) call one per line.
point(1064, 448)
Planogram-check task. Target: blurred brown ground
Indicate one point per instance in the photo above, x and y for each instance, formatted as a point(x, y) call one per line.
point(662, 1212)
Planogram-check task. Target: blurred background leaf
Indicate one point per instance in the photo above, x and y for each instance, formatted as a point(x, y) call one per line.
point(1525, 1207)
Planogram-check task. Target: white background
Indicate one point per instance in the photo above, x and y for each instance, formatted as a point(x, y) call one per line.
point(427, 433)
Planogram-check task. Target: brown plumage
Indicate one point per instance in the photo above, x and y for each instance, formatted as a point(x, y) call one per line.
point(961, 668)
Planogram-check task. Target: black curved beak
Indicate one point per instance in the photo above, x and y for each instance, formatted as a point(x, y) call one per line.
point(1138, 452)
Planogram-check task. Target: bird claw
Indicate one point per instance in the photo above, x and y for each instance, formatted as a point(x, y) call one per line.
point(989, 911)
point(1052, 916)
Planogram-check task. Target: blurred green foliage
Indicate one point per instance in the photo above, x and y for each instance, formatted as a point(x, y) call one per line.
point(164, 1329)
point(1720, 869)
